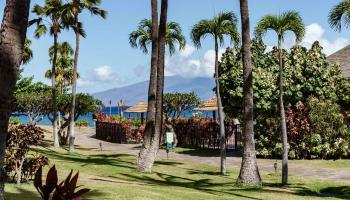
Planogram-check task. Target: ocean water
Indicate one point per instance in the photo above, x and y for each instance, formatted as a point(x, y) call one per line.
point(107, 110)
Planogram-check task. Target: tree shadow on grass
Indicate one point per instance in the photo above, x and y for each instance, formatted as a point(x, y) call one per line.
point(340, 192)
point(84, 160)
point(192, 151)
point(204, 185)
point(22, 194)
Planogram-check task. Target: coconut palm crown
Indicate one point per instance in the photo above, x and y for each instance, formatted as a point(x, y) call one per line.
point(141, 37)
point(340, 15)
point(224, 24)
point(287, 21)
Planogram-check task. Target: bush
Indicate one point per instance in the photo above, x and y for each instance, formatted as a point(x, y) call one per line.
point(15, 121)
point(136, 122)
point(18, 164)
point(82, 123)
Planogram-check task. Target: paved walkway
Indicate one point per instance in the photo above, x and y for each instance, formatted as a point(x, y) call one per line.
point(85, 140)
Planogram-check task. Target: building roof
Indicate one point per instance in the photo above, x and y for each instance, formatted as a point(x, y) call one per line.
point(140, 107)
point(342, 58)
point(209, 105)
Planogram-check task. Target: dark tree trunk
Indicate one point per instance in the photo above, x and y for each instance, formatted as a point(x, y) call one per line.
point(147, 153)
point(54, 103)
point(74, 86)
point(220, 113)
point(12, 36)
point(283, 119)
point(160, 69)
point(249, 173)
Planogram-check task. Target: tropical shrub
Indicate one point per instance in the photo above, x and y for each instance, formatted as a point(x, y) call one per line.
point(82, 123)
point(15, 121)
point(64, 190)
point(19, 165)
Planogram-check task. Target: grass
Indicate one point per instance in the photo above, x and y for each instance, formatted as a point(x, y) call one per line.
point(114, 176)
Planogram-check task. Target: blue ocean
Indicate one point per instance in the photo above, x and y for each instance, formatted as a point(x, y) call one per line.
point(109, 111)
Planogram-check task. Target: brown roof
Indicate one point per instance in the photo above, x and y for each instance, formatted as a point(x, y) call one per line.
point(209, 105)
point(342, 58)
point(140, 107)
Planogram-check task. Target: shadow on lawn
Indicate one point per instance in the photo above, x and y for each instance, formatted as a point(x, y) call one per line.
point(99, 159)
point(207, 152)
point(22, 194)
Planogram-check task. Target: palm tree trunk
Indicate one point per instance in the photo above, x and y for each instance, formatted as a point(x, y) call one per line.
point(249, 173)
point(160, 70)
point(54, 103)
point(12, 36)
point(283, 119)
point(74, 86)
point(144, 159)
point(220, 112)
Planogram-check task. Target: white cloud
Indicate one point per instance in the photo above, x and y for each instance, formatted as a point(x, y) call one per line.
point(103, 75)
point(184, 64)
point(315, 32)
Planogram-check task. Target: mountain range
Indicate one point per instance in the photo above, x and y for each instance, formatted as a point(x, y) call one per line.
point(134, 93)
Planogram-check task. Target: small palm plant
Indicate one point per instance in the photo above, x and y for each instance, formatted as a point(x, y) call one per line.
point(142, 37)
point(224, 24)
point(50, 16)
point(287, 21)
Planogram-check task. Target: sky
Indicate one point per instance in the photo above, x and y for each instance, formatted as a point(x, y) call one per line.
point(107, 61)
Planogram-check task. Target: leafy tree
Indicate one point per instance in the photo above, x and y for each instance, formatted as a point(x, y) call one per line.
point(50, 16)
point(287, 21)
point(340, 15)
point(85, 104)
point(12, 41)
point(224, 24)
point(72, 11)
point(176, 103)
point(142, 36)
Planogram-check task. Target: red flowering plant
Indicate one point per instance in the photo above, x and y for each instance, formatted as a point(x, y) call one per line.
point(299, 132)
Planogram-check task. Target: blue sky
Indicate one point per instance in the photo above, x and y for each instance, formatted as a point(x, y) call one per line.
point(107, 60)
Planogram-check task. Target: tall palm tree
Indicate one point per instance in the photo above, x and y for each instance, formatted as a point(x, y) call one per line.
point(142, 37)
point(340, 15)
point(12, 39)
point(64, 65)
point(249, 173)
point(287, 21)
point(160, 69)
point(224, 24)
point(150, 143)
point(27, 54)
point(50, 17)
point(72, 11)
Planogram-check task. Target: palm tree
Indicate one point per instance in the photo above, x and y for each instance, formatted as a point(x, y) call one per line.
point(53, 11)
point(142, 37)
point(223, 24)
point(12, 40)
point(72, 11)
point(287, 21)
point(27, 54)
point(340, 15)
point(150, 143)
point(64, 65)
point(160, 69)
point(249, 173)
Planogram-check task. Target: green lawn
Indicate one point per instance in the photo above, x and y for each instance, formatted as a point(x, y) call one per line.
point(114, 176)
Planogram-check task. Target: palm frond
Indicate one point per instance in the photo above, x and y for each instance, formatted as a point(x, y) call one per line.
point(201, 30)
point(340, 14)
